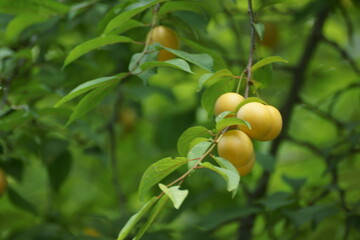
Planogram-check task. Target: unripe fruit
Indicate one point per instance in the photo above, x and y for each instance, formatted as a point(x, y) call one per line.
point(236, 147)
point(227, 102)
point(166, 37)
point(246, 169)
point(276, 124)
point(259, 117)
point(3, 182)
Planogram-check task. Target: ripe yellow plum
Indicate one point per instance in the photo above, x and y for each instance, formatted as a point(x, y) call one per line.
point(227, 102)
point(236, 147)
point(166, 37)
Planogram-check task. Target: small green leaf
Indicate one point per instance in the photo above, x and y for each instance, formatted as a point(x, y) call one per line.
point(223, 115)
point(153, 215)
point(232, 178)
point(128, 13)
point(174, 63)
point(87, 86)
point(20, 23)
point(211, 78)
point(223, 163)
point(139, 59)
point(176, 195)
point(212, 93)
point(197, 152)
point(130, 24)
point(189, 135)
point(135, 218)
point(201, 60)
point(263, 76)
point(92, 44)
point(169, 7)
point(260, 29)
point(248, 100)
point(90, 101)
point(158, 171)
point(266, 61)
point(295, 183)
point(219, 62)
point(227, 122)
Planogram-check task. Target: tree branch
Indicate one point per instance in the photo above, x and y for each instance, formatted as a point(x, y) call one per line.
point(252, 48)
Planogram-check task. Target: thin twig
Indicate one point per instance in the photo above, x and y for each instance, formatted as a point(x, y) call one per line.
point(252, 48)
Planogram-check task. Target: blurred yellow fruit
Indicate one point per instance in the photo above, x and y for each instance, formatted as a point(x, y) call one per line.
point(3, 182)
point(271, 35)
point(166, 37)
point(89, 231)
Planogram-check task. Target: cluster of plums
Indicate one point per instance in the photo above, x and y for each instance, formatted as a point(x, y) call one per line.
point(236, 145)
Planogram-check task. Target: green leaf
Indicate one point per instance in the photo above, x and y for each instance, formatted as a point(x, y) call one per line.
point(201, 60)
point(176, 195)
point(174, 63)
point(212, 93)
point(169, 7)
point(37, 7)
point(128, 13)
point(211, 78)
point(223, 163)
point(227, 122)
point(263, 76)
point(90, 101)
point(276, 200)
point(248, 100)
point(260, 29)
point(221, 216)
point(92, 44)
point(139, 59)
point(223, 115)
point(130, 24)
point(267, 61)
point(59, 169)
point(295, 183)
point(158, 171)
point(219, 62)
point(266, 161)
point(232, 178)
point(20, 23)
point(197, 152)
point(20, 202)
point(189, 135)
point(154, 213)
point(135, 218)
point(87, 86)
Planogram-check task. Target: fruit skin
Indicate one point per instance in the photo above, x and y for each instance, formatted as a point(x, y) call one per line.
point(166, 37)
point(3, 182)
point(276, 124)
point(259, 117)
point(227, 102)
point(246, 169)
point(236, 147)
